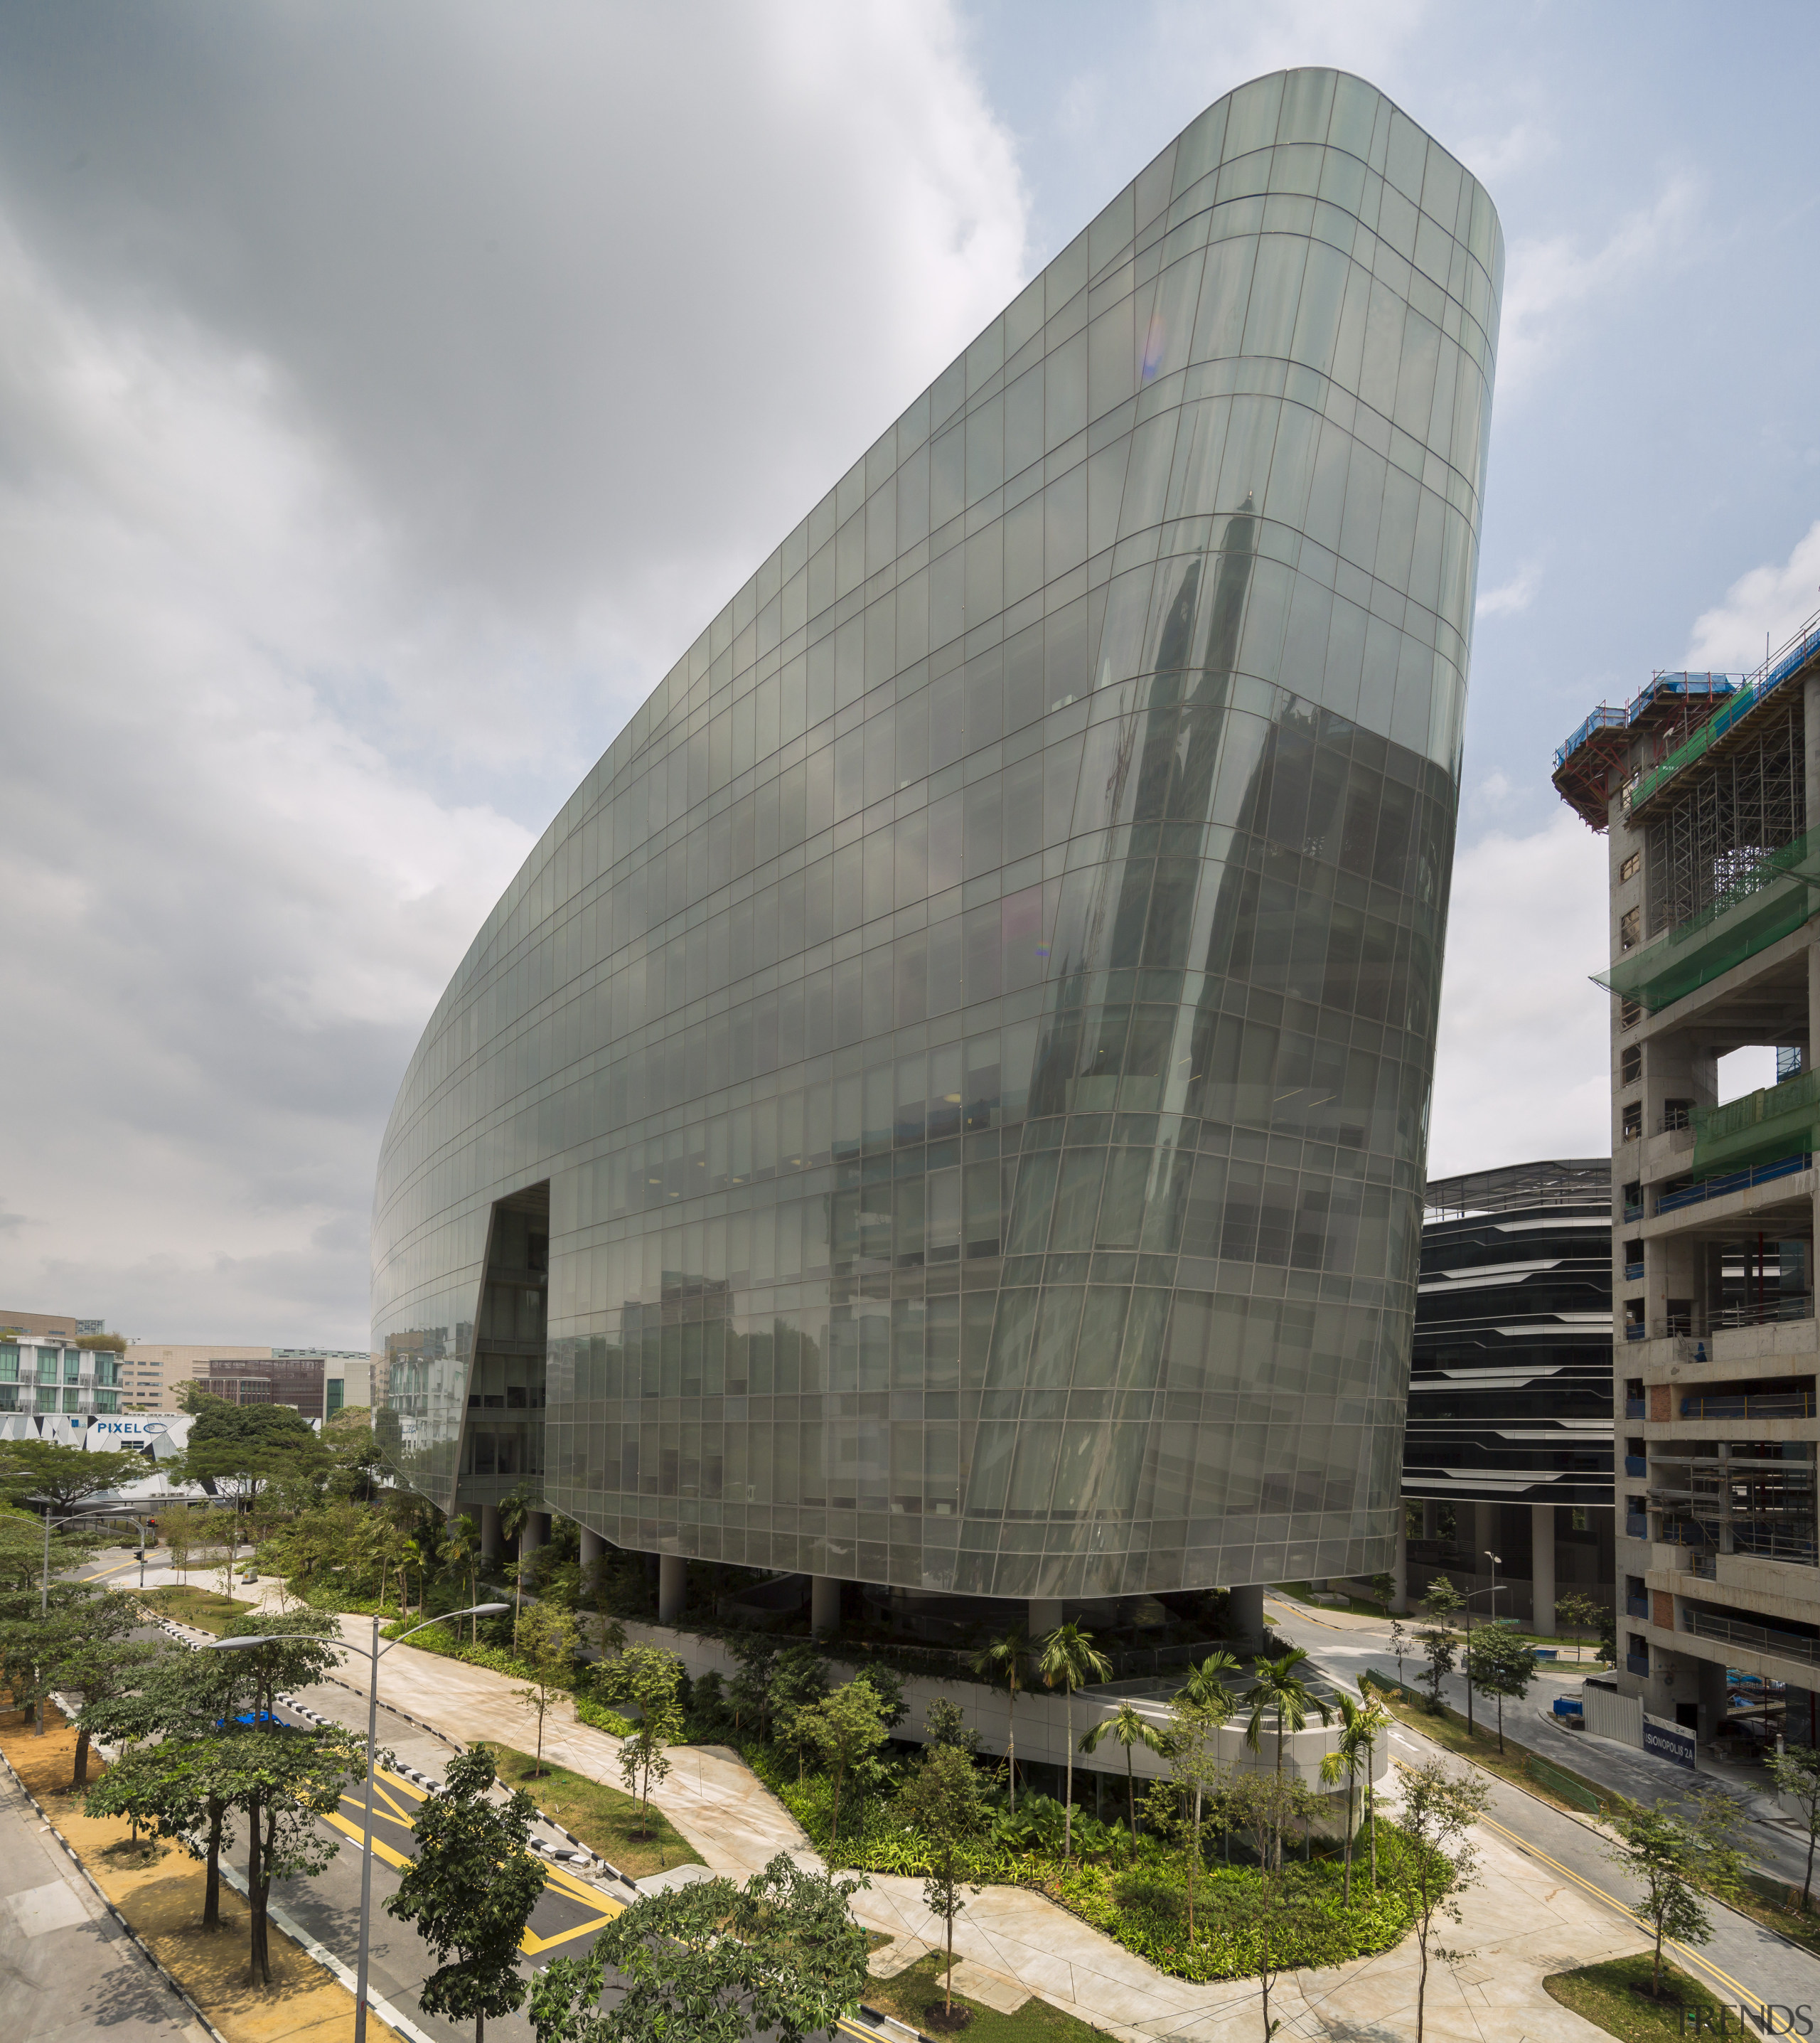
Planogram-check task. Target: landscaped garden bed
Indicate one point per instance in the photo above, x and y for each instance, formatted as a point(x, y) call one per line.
point(607, 1822)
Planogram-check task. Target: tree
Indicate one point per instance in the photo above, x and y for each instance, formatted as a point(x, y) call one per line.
point(1438, 1645)
point(1401, 1645)
point(1384, 1591)
point(1131, 1728)
point(1579, 1614)
point(945, 1799)
point(1499, 1664)
point(464, 1550)
point(515, 1515)
point(847, 1726)
point(1671, 1857)
point(887, 1684)
point(1279, 1690)
point(181, 1701)
point(1195, 1712)
point(1796, 1770)
point(546, 1643)
point(1439, 1810)
point(750, 1691)
point(37, 1652)
point(652, 1679)
point(470, 1892)
point(1360, 1723)
point(799, 1680)
point(1439, 1601)
point(280, 1781)
point(64, 1478)
point(1005, 1659)
point(1069, 1660)
point(236, 1450)
point(716, 1963)
point(99, 1669)
point(944, 1723)
point(1265, 1806)
point(295, 1653)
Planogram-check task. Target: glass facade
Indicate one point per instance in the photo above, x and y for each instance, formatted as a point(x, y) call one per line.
point(972, 1033)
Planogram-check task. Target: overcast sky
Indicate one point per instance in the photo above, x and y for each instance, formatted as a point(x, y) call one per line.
point(389, 394)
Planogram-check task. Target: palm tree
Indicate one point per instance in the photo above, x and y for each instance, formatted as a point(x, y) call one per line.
point(1360, 1724)
point(1278, 1690)
point(1069, 1660)
point(1004, 1659)
point(1205, 1698)
point(1130, 1728)
point(464, 1547)
point(515, 1515)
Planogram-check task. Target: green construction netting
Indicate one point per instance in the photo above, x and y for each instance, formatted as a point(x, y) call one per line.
point(1779, 895)
point(1781, 1120)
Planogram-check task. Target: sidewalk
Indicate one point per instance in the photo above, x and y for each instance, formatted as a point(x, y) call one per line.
point(1523, 1923)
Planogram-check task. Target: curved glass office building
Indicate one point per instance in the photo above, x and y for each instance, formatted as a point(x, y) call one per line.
point(944, 1104)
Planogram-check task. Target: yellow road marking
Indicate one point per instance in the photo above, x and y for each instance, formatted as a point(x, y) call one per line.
point(1611, 1901)
point(557, 1879)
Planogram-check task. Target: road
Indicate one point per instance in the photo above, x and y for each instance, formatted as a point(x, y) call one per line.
point(1771, 1842)
point(1742, 1962)
point(325, 1909)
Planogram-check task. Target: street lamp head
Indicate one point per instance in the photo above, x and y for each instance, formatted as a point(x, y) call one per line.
point(489, 1610)
point(235, 1644)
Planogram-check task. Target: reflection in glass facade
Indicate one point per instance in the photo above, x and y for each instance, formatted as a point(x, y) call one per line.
point(974, 1025)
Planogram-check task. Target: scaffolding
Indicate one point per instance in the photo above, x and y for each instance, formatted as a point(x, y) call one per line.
point(1769, 897)
point(1667, 712)
point(1792, 658)
point(1714, 830)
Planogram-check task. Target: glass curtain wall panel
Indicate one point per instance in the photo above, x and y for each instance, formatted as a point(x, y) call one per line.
point(975, 1022)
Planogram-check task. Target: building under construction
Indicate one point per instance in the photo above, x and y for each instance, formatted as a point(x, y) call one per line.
point(1704, 786)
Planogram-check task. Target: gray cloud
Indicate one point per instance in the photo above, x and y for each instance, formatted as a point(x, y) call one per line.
point(385, 398)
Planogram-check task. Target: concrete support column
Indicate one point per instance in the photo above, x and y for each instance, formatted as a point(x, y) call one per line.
point(1712, 1699)
point(1542, 1567)
point(1045, 1614)
point(490, 1540)
point(1485, 1541)
point(1431, 1518)
point(1400, 1567)
point(824, 1604)
point(672, 1588)
point(593, 1548)
point(1246, 1605)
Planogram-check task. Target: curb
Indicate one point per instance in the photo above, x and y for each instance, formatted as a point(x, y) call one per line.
point(144, 1949)
point(184, 1634)
point(345, 1974)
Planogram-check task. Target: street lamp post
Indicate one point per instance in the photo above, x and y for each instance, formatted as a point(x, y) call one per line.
point(1493, 1593)
point(375, 1653)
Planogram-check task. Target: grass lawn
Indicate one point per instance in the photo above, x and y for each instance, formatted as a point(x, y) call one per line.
point(1447, 1729)
point(606, 1821)
point(1777, 1906)
point(912, 1992)
point(1359, 1606)
point(207, 1609)
point(1606, 1995)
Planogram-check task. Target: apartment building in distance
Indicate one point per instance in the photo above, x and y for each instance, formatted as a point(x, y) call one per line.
point(52, 1362)
point(1707, 786)
point(319, 1381)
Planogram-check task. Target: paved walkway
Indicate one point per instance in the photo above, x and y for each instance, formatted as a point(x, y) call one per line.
point(69, 1973)
point(1523, 1921)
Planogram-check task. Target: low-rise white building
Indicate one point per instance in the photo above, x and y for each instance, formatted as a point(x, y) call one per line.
point(42, 1373)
